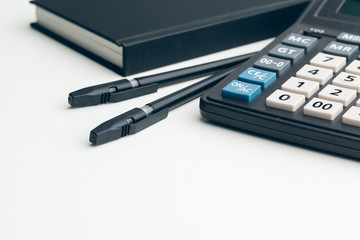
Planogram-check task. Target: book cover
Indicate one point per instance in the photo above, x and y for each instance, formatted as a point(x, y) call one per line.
point(131, 36)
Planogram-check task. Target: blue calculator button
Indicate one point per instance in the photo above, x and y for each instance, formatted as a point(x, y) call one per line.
point(241, 90)
point(258, 76)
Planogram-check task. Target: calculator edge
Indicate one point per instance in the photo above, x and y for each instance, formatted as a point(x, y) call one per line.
point(281, 129)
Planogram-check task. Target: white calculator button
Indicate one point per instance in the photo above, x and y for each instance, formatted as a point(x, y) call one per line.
point(301, 86)
point(328, 61)
point(352, 117)
point(353, 67)
point(285, 100)
point(318, 74)
point(321, 108)
point(348, 80)
point(338, 94)
point(358, 103)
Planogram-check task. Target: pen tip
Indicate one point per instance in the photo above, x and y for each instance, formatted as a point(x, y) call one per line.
point(93, 138)
point(70, 99)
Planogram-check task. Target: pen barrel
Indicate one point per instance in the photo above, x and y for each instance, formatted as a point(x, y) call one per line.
point(189, 93)
point(180, 75)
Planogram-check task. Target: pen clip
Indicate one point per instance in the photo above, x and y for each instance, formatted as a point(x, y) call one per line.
point(147, 122)
point(132, 93)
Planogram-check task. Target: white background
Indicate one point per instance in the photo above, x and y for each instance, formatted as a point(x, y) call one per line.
point(182, 178)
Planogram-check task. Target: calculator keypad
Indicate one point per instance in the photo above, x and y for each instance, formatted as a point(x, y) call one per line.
point(327, 96)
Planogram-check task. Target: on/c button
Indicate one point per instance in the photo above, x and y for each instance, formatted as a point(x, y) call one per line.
point(241, 90)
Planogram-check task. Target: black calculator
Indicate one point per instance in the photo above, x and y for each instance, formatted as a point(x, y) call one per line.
point(304, 87)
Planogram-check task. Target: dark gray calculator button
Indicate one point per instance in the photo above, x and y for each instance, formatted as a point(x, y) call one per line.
point(349, 38)
point(298, 40)
point(280, 66)
point(291, 53)
point(342, 49)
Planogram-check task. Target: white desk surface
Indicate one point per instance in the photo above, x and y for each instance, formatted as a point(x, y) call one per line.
point(182, 178)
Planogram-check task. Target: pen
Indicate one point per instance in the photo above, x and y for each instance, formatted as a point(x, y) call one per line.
point(124, 89)
point(138, 119)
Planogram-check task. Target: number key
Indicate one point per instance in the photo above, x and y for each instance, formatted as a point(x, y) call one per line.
point(338, 94)
point(348, 80)
point(318, 74)
point(285, 100)
point(328, 61)
point(324, 109)
point(301, 86)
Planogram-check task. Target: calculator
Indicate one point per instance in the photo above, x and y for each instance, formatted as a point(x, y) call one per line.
point(304, 87)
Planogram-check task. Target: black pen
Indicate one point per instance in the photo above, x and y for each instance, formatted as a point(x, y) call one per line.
point(124, 89)
point(138, 119)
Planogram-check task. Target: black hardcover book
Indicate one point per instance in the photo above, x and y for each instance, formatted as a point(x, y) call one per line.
point(131, 36)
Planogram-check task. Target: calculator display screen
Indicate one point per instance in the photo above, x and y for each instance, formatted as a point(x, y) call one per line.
point(351, 7)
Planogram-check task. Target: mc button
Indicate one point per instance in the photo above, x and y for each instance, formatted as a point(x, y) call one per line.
point(301, 41)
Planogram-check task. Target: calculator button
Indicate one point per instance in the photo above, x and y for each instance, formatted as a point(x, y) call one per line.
point(291, 53)
point(318, 74)
point(298, 40)
point(338, 94)
point(342, 49)
point(352, 117)
point(349, 38)
point(354, 67)
point(347, 80)
point(321, 108)
point(301, 86)
point(280, 66)
point(285, 100)
point(241, 90)
point(328, 61)
point(358, 103)
point(258, 76)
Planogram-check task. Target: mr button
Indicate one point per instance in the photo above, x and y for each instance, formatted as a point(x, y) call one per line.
point(342, 49)
point(241, 90)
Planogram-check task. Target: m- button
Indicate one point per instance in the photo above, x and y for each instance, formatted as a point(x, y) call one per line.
point(349, 38)
point(298, 40)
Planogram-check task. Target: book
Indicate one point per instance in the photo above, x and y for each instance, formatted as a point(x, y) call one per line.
point(131, 36)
